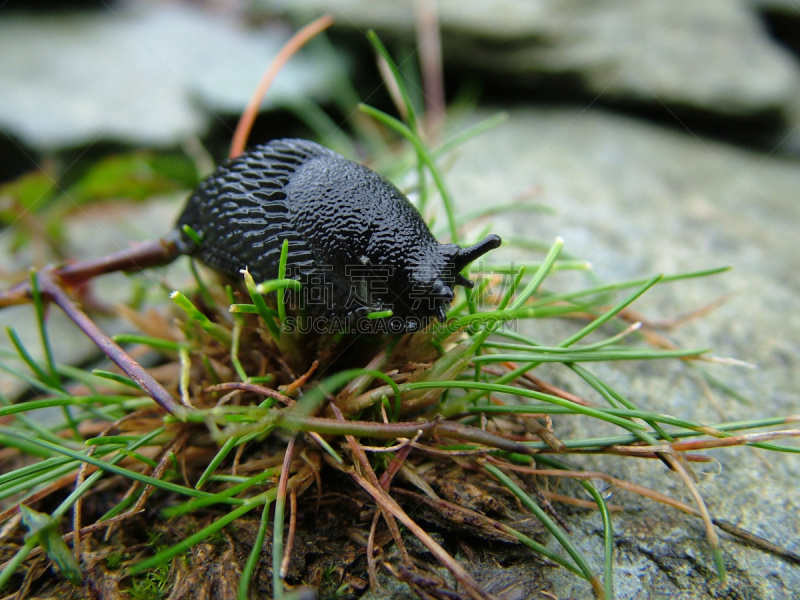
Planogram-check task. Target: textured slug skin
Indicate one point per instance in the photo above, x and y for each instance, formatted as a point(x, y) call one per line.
point(355, 241)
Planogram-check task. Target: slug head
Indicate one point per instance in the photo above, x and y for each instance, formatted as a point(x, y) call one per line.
point(434, 279)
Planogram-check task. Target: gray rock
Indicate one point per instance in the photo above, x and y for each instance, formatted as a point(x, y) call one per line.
point(712, 55)
point(635, 200)
point(150, 74)
point(790, 7)
point(93, 233)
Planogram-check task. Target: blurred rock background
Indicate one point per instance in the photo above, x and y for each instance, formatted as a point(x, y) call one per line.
point(665, 136)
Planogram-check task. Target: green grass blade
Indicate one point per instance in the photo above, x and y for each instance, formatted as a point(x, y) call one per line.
point(229, 445)
point(247, 309)
point(126, 381)
point(16, 561)
point(112, 468)
point(608, 540)
point(34, 366)
point(282, 275)
point(252, 559)
point(155, 343)
point(607, 316)
point(552, 527)
point(544, 551)
point(226, 496)
point(410, 111)
point(261, 306)
point(541, 274)
point(215, 330)
point(31, 482)
point(469, 133)
point(595, 356)
point(38, 304)
point(235, 340)
point(90, 481)
point(183, 546)
point(277, 545)
point(509, 389)
point(277, 285)
point(621, 285)
point(202, 288)
point(193, 235)
point(614, 398)
point(46, 464)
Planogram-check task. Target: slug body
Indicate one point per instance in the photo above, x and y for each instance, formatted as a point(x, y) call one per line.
point(356, 243)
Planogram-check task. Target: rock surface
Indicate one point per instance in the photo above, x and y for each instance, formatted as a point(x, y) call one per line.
point(790, 7)
point(635, 200)
point(711, 55)
point(151, 74)
point(93, 233)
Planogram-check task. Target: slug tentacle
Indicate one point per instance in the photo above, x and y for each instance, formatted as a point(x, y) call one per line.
point(461, 280)
point(467, 255)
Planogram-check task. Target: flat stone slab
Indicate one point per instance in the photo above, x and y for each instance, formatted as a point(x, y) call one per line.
point(635, 200)
point(711, 55)
point(95, 232)
point(146, 73)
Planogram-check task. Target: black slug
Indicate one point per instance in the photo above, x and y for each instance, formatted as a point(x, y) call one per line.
point(356, 243)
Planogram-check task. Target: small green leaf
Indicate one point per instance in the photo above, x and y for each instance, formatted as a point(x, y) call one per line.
point(136, 175)
point(44, 530)
point(30, 192)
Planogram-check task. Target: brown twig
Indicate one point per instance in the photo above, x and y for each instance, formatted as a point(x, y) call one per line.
point(302, 379)
point(547, 505)
point(130, 367)
point(540, 385)
point(735, 440)
point(297, 41)
point(283, 481)
point(237, 459)
point(142, 256)
point(358, 454)
point(391, 86)
point(649, 454)
point(630, 314)
point(388, 503)
point(450, 453)
point(394, 466)
point(757, 541)
point(590, 504)
point(250, 387)
point(176, 445)
point(371, 562)
point(396, 447)
point(358, 384)
point(287, 550)
point(438, 427)
point(430, 59)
